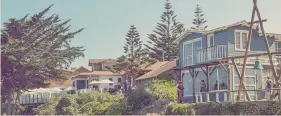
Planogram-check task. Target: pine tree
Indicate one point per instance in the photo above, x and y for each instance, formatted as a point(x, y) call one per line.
point(168, 30)
point(199, 20)
point(130, 64)
point(31, 52)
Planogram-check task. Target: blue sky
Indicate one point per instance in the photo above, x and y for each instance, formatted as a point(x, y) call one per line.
point(106, 22)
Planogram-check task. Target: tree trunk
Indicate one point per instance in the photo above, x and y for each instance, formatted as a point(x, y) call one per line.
point(9, 104)
point(16, 103)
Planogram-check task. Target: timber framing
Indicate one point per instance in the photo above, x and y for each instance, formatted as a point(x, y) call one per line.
point(209, 67)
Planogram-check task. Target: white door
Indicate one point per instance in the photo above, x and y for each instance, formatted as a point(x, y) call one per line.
point(210, 45)
point(188, 59)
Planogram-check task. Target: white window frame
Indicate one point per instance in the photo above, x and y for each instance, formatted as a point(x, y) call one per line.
point(190, 42)
point(209, 38)
point(241, 41)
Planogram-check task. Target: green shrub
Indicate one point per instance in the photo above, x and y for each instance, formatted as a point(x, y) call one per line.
point(95, 103)
point(49, 108)
point(179, 109)
point(119, 108)
point(163, 88)
point(139, 98)
point(67, 106)
point(90, 103)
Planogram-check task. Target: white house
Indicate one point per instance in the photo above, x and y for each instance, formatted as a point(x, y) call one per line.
point(98, 73)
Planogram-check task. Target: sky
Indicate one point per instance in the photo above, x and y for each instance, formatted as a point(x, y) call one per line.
point(106, 22)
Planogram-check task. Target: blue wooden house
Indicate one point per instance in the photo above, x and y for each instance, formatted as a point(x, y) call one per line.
point(214, 55)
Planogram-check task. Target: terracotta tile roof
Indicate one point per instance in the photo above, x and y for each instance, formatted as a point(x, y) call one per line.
point(159, 69)
point(100, 73)
point(60, 83)
point(95, 61)
point(156, 65)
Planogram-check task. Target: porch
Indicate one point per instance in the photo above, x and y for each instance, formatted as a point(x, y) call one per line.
point(228, 70)
point(222, 95)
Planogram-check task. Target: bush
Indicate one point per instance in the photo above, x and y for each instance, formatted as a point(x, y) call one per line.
point(119, 108)
point(139, 98)
point(96, 103)
point(179, 109)
point(49, 108)
point(67, 106)
point(163, 88)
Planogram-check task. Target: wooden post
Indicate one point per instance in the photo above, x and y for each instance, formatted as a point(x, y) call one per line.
point(229, 81)
point(243, 84)
point(208, 97)
point(208, 78)
point(196, 98)
point(193, 83)
point(246, 52)
point(256, 86)
point(29, 98)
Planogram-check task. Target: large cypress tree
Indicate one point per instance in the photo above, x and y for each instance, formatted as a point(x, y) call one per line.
point(32, 50)
point(130, 65)
point(168, 30)
point(199, 20)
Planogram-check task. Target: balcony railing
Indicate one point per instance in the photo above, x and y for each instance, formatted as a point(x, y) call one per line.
point(222, 95)
point(211, 53)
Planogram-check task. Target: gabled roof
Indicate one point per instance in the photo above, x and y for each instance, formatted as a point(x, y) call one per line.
point(60, 83)
point(158, 69)
point(155, 65)
point(96, 61)
point(242, 23)
point(99, 73)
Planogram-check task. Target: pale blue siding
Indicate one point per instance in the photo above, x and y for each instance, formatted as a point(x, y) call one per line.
point(190, 37)
point(257, 43)
point(224, 37)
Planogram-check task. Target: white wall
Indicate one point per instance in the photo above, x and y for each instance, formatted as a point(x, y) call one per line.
point(114, 79)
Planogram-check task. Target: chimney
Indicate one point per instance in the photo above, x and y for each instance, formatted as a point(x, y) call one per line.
point(172, 58)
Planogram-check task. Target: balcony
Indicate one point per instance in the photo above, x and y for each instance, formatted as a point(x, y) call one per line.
point(211, 53)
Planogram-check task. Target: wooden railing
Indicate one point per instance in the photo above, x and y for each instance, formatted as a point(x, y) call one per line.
point(38, 98)
point(211, 53)
point(84, 90)
point(222, 95)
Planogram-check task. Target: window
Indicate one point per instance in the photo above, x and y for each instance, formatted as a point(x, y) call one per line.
point(190, 51)
point(241, 38)
point(210, 40)
point(110, 80)
point(81, 84)
point(119, 80)
point(278, 46)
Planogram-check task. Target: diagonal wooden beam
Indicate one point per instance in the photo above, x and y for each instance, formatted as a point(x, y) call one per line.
point(267, 46)
point(239, 76)
point(224, 67)
point(197, 72)
point(213, 69)
point(191, 71)
point(264, 20)
point(246, 52)
point(203, 70)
